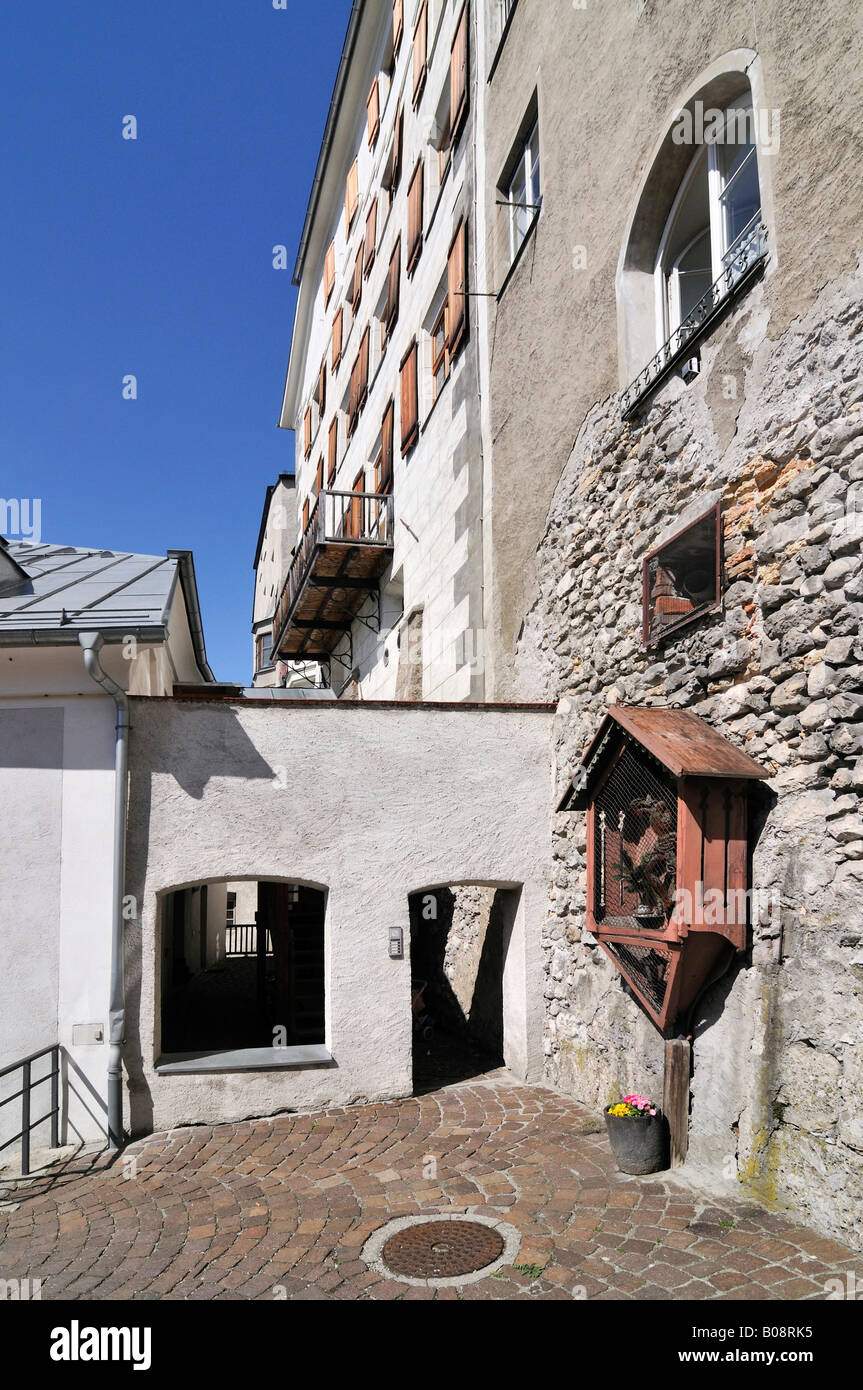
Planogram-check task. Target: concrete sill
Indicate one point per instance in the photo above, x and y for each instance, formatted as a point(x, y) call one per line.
point(303, 1058)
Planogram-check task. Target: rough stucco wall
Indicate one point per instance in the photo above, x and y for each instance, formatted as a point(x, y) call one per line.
point(779, 1042)
point(554, 335)
point(371, 804)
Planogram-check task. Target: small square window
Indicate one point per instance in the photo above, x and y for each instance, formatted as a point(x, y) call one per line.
point(682, 579)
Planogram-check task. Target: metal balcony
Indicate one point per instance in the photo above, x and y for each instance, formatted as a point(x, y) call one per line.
point(337, 564)
point(741, 264)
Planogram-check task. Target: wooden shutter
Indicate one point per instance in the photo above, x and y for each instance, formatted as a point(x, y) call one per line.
point(415, 218)
point(409, 399)
point(393, 285)
point(322, 386)
point(329, 271)
point(352, 194)
point(385, 481)
point(371, 235)
point(355, 522)
point(457, 290)
point(421, 52)
point(333, 452)
point(398, 24)
point(305, 516)
point(458, 88)
point(357, 292)
point(319, 476)
point(394, 172)
point(307, 432)
point(352, 400)
point(363, 370)
point(338, 330)
point(373, 113)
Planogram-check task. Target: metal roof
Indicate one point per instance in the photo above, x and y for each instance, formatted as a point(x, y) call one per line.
point(677, 738)
point(65, 590)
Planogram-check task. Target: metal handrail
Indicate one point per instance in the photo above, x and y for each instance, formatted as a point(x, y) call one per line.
point(363, 518)
point(25, 1066)
point(742, 260)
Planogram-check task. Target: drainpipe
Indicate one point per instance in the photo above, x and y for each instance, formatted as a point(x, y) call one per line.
point(92, 643)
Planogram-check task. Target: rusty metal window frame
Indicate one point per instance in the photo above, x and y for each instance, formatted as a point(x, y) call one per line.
point(652, 638)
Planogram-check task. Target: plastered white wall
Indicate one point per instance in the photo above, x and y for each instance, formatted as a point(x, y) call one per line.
point(380, 803)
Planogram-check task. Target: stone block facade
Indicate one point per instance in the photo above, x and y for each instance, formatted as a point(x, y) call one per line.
point(773, 429)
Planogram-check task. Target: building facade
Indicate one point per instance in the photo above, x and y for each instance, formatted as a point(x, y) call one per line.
point(384, 371)
point(67, 617)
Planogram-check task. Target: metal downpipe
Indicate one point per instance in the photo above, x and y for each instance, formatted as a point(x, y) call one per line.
point(91, 643)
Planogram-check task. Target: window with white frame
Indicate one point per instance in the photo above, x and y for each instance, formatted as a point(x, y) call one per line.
point(522, 191)
point(714, 218)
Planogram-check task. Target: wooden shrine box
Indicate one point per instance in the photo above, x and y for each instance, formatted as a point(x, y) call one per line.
point(666, 801)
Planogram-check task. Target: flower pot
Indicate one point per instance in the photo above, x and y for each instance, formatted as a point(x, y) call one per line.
point(638, 1142)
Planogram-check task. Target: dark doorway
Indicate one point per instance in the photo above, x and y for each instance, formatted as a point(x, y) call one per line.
point(458, 939)
point(231, 985)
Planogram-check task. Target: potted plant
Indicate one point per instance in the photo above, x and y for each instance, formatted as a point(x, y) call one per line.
point(636, 1132)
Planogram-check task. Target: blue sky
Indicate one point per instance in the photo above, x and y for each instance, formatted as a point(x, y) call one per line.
point(153, 257)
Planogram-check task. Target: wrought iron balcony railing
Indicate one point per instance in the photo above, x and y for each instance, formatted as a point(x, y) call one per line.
point(345, 548)
point(740, 265)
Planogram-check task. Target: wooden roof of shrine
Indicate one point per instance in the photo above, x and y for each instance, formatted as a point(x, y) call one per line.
point(682, 742)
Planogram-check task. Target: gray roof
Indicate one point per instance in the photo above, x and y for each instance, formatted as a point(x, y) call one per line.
point(68, 590)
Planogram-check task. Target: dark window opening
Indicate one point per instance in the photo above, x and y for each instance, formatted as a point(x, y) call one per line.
point(242, 968)
point(682, 579)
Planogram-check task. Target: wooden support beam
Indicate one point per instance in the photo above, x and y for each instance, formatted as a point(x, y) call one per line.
point(675, 1096)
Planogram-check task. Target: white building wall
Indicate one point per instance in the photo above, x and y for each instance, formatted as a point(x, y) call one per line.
point(437, 488)
point(381, 803)
point(56, 868)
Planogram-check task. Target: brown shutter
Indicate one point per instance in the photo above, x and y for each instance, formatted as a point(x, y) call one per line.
point(458, 89)
point(319, 476)
point(371, 235)
point(386, 477)
point(338, 328)
point(363, 370)
point(393, 285)
point(322, 386)
point(398, 145)
point(307, 432)
point(420, 52)
point(373, 113)
point(415, 218)
point(409, 400)
point(328, 273)
point(352, 402)
point(457, 289)
point(355, 524)
point(305, 516)
point(357, 292)
point(352, 194)
point(398, 24)
point(333, 452)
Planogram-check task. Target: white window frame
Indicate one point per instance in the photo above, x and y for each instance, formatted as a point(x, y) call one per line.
point(523, 170)
point(666, 283)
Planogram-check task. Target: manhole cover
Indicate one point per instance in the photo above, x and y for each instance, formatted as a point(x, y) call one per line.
point(442, 1249)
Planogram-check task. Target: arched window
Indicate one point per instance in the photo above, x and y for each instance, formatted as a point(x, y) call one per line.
point(716, 213)
point(698, 232)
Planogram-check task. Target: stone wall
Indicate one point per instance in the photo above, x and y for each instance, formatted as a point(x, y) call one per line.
point(775, 430)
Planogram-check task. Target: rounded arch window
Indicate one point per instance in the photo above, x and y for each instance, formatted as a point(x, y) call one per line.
point(716, 211)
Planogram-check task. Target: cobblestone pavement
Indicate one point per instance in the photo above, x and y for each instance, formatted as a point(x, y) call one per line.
point(282, 1208)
